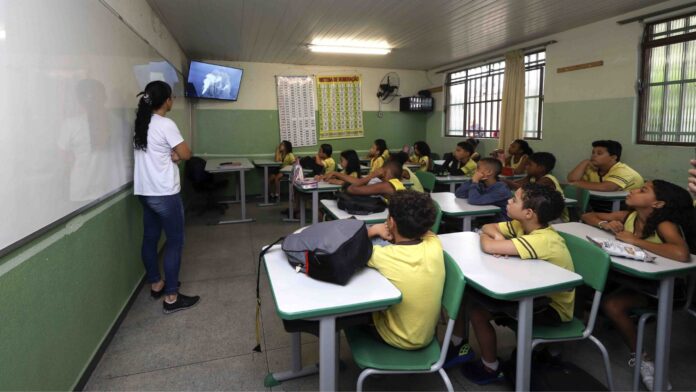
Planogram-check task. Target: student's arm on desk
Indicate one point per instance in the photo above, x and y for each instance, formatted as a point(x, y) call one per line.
point(492, 230)
point(579, 170)
point(382, 188)
point(674, 246)
point(605, 186)
point(614, 220)
point(498, 248)
point(495, 193)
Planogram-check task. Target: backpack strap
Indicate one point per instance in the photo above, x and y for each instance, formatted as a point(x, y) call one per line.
point(258, 294)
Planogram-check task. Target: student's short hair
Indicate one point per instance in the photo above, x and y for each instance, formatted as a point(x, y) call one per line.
point(400, 157)
point(547, 203)
point(414, 212)
point(613, 147)
point(287, 145)
point(545, 159)
point(395, 168)
point(326, 149)
point(473, 141)
point(493, 164)
point(466, 146)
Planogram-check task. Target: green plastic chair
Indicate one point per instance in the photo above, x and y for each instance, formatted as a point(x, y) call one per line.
point(438, 218)
point(579, 194)
point(427, 179)
point(377, 357)
point(592, 264)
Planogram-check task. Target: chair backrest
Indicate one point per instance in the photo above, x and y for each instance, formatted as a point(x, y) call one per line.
point(591, 262)
point(580, 194)
point(195, 171)
point(454, 287)
point(438, 218)
point(427, 179)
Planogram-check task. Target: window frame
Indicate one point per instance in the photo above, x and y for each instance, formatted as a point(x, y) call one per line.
point(643, 84)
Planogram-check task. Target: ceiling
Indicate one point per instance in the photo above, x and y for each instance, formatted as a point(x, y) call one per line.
point(424, 33)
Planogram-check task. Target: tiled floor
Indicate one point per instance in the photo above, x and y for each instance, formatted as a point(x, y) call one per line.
point(210, 347)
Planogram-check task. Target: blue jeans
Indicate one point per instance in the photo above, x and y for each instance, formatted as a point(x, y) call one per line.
point(163, 212)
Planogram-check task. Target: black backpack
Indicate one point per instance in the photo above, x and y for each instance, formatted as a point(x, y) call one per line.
point(359, 205)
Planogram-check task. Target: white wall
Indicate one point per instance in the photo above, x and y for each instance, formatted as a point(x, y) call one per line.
point(258, 89)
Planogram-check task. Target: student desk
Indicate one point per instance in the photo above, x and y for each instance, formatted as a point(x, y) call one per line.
point(331, 208)
point(454, 206)
point(664, 270)
point(451, 180)
point(509, 279)
point(265, 164)
point(615, 197)
point(298, 297)
point(287, 170)
point(412, 166)
point(213, 166)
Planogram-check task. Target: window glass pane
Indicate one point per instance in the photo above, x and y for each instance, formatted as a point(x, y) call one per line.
point(456, 94)
point(675, 56)
point(657, 64)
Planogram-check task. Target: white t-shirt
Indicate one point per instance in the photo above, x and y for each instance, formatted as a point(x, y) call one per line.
point(155, 174)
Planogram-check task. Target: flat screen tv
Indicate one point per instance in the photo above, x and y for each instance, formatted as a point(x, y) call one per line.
point(213, 81)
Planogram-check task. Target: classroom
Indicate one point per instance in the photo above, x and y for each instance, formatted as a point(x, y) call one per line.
point(348, 194)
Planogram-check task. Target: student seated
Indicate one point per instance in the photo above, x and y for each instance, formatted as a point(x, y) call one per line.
point(474, 143)
point(414, 263)
point(461, 163)
point(350, 162)
point(323, 158)
point(284, 155)
point(604, 171)
point(484, 187)
point(389, 176)
point(402, 158)
point(421, 156)
point(378, 154)
point(539, 167)
point(528, 236)
point(660, 219)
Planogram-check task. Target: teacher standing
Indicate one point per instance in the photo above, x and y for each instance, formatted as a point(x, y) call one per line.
point(159, 146)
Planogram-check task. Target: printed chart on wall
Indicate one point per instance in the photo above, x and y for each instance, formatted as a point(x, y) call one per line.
point(296, 110)
point(340, 107)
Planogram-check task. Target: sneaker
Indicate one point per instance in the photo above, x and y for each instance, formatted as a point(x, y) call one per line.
point(182, 302)
point(457, 355)
point(647, 372)
point(478, 373)
point(158, 294)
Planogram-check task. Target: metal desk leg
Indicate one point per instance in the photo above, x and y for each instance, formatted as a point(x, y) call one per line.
point(303, 213)
point(291, 207)
point(242, 201)
point(664, 331)
point(315, 207)
point(524, 344)
point(265, 189)
point(452, 187)
point(467, 223)
point(327, 354)
point(274, 379)
point(616, 205)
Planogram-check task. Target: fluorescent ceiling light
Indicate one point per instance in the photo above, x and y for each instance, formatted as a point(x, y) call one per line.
point(350, 46)
point(3, 35)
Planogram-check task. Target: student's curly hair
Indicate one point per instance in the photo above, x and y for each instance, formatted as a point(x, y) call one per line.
point(547, 203)
point(414, 212)
point(678, 209)
point(423, 148)
point(545, 159)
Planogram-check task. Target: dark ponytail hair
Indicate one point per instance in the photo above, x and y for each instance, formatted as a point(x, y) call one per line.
point(381, 146)
point(152, 98)
point(353, 160)
point(423, 148)
point(524, 146)
point(678, 209)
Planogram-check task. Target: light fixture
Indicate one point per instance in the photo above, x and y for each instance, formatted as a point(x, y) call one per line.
point(3, 35)
point(350, 47)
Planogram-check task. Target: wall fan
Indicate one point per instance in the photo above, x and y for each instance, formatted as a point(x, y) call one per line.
point(388, 90)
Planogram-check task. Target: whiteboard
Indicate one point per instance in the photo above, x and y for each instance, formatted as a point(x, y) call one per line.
point(70, 71)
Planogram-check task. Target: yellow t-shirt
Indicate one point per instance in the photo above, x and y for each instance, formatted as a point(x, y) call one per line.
point(376, 163)
point(417, 186)
point(418, 271)
point(469, 168)
point(630, 226)
point(514, 164)
point(329, 165)
point(565, 216)
point(422, 161)
point(397, 184)
point(544, 244)
point(288, 160)
point(353, 174)
point(620, 174)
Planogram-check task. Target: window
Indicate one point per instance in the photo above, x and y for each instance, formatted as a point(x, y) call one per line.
point(667, 90)
point(474, 97)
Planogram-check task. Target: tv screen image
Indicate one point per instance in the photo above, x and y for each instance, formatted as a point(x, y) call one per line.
point(213, 81)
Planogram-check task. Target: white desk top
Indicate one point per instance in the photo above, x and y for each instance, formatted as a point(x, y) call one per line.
point(213, 165)
point(298, 296)
point(332, 207)
point(505, 278)
point(412, 165)
point(438, 161)
point(266, 162)
point(323, 186)
point(662, 266)
point(288, 169)
point(570, 202)
point(451, 179)
point(454, 206)
point(616, 195)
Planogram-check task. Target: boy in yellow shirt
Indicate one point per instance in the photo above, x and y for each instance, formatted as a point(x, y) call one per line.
point(382, 182)
point(463, 165)
point(528, 236)
point(323, 158)
point(604, 171)
point(414, 263)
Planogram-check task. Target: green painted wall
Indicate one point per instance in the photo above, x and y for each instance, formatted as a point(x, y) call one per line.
point(62, 293)
point(255, 133)
point(569, 129)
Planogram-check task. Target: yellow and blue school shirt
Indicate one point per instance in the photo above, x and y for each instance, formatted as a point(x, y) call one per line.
point(397, 184)
point(329, 165)
point(469, 168)
point(544, 244)
point(630, 226)
point(417, 186)
point(423, 161)
point(288, 160)
point(620, 174)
